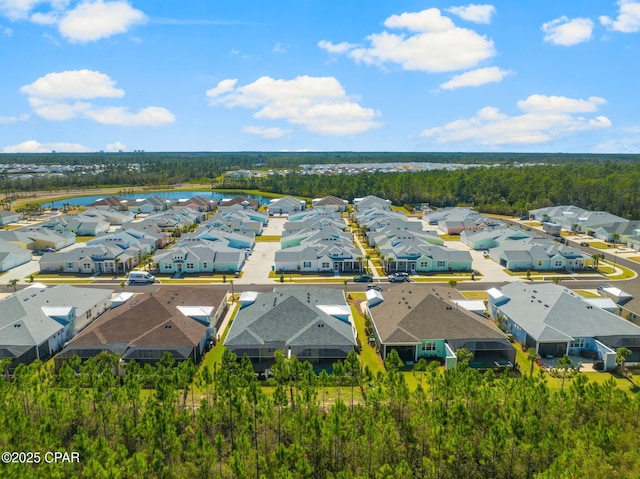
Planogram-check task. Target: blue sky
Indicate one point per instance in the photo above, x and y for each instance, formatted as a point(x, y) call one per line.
point(320, 75)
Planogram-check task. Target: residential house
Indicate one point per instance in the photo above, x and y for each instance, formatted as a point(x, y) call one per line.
point(539, 255)
point(12, 255)
point(555, 321)
point(113, 217)
point(312, 323)
point(197, 203)
point(238, 220)
point(323, 250)
point(243, 201)
point(330, 203)
point(285, 205)
point(126, 239)
point(149, 205)
point(417, 256)
point(427, 323)
point(197, 256)
point(100, 259)
point(79, 225)
point(116, 203)
point(37, 321)
point(38, 238)
point(8, 217)
point(179, 320)
point(371, 202)
point(492, 237)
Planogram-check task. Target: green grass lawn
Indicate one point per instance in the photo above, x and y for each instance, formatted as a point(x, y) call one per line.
point(368, 356)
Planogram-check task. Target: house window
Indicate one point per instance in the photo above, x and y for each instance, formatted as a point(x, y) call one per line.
point(204, 265)
point(539, 262)
point(577, 343)
point(86, 265)
point(428, 346)
point(189, 265)
point(424, 264)
point(69, 265)
point(325, 265)
point(558, 263)
point(306, 264)
point(440, 264)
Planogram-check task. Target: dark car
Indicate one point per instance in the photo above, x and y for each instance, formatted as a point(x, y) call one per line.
point(584, 244)
point(363, 278)
point(374, 286)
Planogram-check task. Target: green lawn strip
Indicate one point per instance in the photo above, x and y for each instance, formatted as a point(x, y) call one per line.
point(368, 355)
point(449, 237)
point(84, 239)
point(586, 294)
point(599, 245)
point(635, 259)
point(626, 273)
point(475, 295)
point(268, 239)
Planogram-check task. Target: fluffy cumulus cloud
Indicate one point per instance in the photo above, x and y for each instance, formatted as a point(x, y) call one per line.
point(62, 96)
point(33, 146)
point(474, 13)
point(91, 21)
point(628, 20)
point(317, 104)
point(567, 32)
point(544, 118)
point(478, 77)
point(433, 44)
point(82, 22)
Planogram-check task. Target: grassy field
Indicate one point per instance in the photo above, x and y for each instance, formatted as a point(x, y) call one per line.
point(268, 239)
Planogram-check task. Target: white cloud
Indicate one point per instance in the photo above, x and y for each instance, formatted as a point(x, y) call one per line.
point(91, 21)
point(565, 32)
point(280, 48)
point(559, 104)
point(117, 115)
point(5, 120)
point(336, 48)
point(223, 87)
point(318, 104)
point(268, 133)
point(478, 77)
point(33, 146)
point(117, 146)
point(545, 118)
point(474, 13)
point(6, 31)
point(56, 96)
point(437, 46)
point(73, 84)
point(628, 20)
point(88, 21)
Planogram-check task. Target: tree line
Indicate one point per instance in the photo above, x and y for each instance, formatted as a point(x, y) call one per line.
point(177, 421)
point(509, 184)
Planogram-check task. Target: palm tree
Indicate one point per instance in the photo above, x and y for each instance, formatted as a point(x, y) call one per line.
point(532, 356)
point(453, 283)
point(621, 357)
point(564, 364)
point(12, 283)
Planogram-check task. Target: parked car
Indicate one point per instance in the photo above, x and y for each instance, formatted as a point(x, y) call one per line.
point(363, 278)
point(374, 286)
point(584, 244)
point(398, 277)
point(49, 249)
point(485, 254)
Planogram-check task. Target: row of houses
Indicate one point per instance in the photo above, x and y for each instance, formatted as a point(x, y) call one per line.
point(313, 323)
point(599, 224)
point(316, 241)
point(404, 246)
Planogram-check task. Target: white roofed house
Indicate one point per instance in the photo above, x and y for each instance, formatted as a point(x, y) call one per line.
point(37, 321)
point(149, 205)
point(556, 321)
point(12, 255)
point(286, 205)
point(371, 202)
point(492, 237)
point(539, 255)
point(99, 259)
point(330, 203)
point(38, 238)
point(324, 250)
point(415, 255)
point(8, 217)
